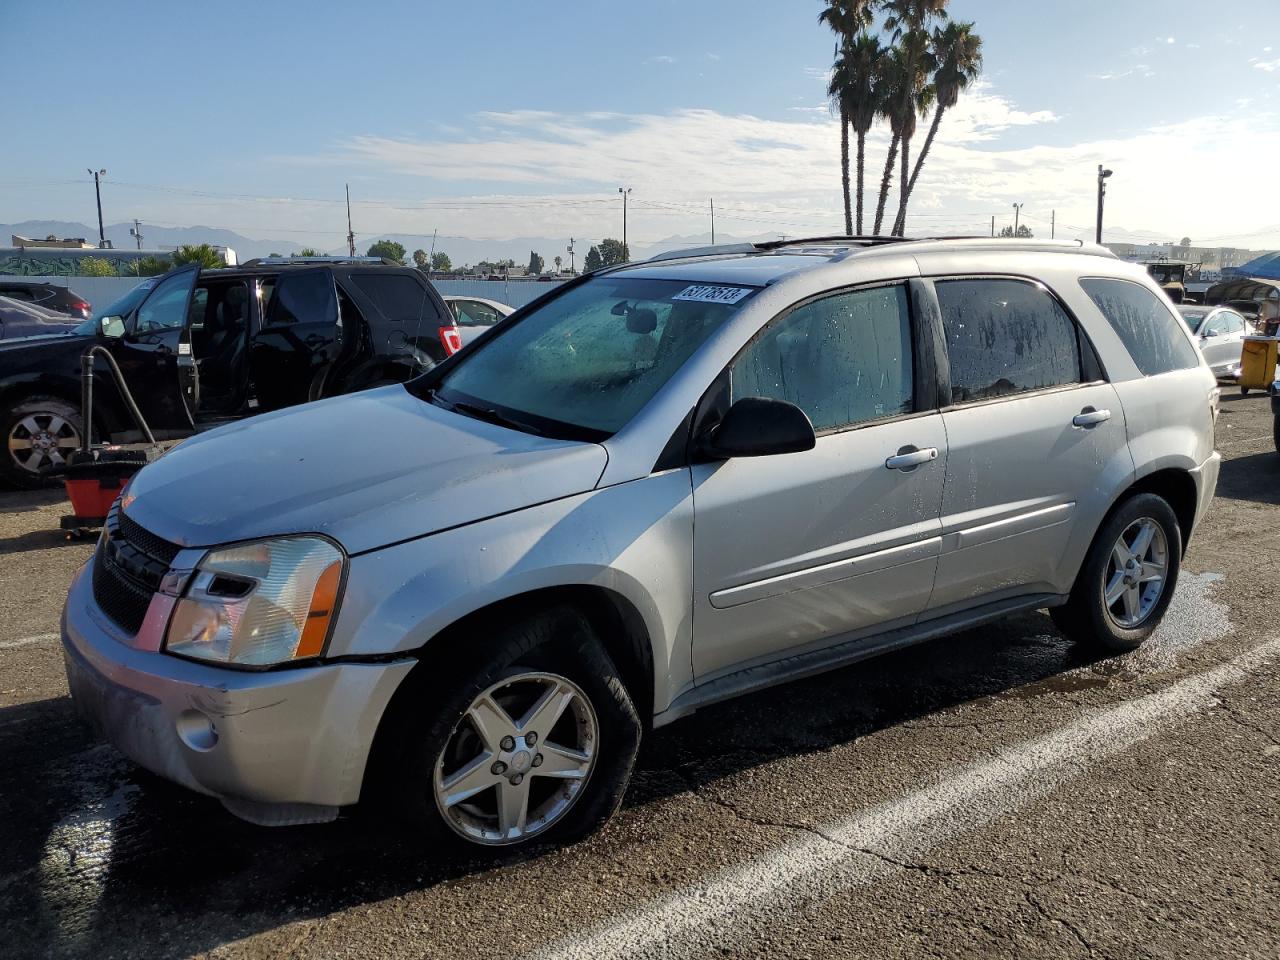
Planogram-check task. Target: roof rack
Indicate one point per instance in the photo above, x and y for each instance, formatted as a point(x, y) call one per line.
point(854, 243)
point(296, 261)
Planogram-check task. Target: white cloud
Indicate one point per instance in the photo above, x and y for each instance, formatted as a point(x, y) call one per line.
point(1271, 66)
point(661, 59)
point(1137, 70)
point(1170, 40)
point(716, 56)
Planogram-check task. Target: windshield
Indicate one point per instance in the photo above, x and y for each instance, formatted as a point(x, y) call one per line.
point(590, 359)
point(120, 309)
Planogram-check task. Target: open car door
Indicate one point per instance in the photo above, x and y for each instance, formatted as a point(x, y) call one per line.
point(299, 339)
point(154, 353)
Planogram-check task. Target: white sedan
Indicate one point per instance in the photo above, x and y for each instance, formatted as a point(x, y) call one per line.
point(475, 315)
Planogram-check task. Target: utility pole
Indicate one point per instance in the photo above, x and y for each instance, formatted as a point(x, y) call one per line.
point(1053, 224)
point(351, 237)
point(136, 232)
point(993, 224)
point(431, 257)
point(1102, 192)
point(625, 191)
point(713, 221)
point(97, 190)
point(1017, 211)
point(569, 250)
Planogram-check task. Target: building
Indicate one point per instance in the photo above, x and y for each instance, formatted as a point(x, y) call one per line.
point(73, 243)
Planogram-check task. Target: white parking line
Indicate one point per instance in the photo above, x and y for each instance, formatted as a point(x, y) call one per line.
point(724, 909)
point(28, 641)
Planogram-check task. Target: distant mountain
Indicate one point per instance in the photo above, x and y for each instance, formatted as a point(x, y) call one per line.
point(154, 238)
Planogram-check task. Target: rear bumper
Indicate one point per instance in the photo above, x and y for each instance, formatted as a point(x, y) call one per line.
point(276, 747)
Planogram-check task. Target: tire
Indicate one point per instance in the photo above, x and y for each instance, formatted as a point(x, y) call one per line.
point(57, 433)
point(1087, 618)
point(427, 738)
point(1244, 391)
point(1275, 431)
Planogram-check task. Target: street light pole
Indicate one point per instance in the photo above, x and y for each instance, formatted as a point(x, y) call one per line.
point(1017, 212)
point(625, 252)
point(1102, 192)
point(97, 190)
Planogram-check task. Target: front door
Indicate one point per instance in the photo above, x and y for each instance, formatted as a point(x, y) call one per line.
point(1221, 341)
point(154, 353)
point(298, 341)
point(1036, 440)
point(795, 550)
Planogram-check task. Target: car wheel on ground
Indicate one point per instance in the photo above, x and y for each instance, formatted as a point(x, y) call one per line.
point(528, 738)
point(1244, 391)
point(39, 432)
point(1128, 577)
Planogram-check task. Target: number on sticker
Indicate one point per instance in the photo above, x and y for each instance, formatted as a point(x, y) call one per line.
point(708, 293)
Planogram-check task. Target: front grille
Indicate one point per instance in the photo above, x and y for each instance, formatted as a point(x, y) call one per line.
point(128, 567)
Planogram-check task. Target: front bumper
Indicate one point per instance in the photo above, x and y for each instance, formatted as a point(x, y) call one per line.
point(281, 746)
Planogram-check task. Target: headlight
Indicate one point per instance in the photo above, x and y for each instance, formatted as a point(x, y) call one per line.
point(259, 603)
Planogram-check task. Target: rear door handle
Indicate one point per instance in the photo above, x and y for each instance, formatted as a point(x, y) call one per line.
point(1089, 417)
point(910, 457)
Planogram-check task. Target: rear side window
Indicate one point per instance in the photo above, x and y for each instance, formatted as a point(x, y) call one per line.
point(1005, 337)
point(303, 297)
point(398, 298)
point(1148, 329)
point(843, 360)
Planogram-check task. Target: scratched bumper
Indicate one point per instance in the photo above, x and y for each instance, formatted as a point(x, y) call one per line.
point(288, 738)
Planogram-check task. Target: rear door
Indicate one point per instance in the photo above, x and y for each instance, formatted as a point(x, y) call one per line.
point(1034, 434)
point(796, 551)
point(154, 353)
point(299, 339)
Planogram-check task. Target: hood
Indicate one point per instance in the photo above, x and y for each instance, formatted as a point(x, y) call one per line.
point(366, 469)
point(27, 339)
point(11, 330)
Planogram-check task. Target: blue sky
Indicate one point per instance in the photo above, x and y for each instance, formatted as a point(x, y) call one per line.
point(520, 119)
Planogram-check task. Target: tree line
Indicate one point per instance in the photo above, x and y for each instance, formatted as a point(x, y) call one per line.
point(898, 70)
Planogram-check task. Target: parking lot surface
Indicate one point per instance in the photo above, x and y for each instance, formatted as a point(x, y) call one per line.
point(993, 793)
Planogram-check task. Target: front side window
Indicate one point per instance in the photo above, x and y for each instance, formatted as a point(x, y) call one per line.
point(166, 308)
point(591, 358)
point(843, 360)
point(1144, 324)
point(1005, 337)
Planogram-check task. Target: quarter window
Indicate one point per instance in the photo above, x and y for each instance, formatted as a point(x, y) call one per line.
point(398, 297)
point(1005, 337)
point(1147, 327)
point(843, 360)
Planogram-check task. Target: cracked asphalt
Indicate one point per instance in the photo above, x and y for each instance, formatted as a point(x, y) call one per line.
point(995, 793)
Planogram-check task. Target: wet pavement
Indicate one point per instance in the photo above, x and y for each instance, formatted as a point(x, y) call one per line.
point(994, 793)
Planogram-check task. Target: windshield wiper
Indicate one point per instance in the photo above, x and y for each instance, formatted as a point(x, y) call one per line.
point(491, 415)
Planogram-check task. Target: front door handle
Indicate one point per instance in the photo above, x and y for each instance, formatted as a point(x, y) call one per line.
point(910, 457)
point(1089, 417)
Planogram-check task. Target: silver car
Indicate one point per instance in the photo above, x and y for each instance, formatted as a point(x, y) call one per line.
point(476, 316)
point(1220, 333)
point(671, 483)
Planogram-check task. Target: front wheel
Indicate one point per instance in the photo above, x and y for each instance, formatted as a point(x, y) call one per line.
point(1127, 579)
point(1244, 391)
point(530, 737)
point(39, 432)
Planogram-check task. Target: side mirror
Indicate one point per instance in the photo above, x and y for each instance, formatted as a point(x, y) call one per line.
point(760, 427)
point(112, 327)
point(1208, 333)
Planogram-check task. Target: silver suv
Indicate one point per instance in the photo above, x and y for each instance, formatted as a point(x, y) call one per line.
point(657, 487)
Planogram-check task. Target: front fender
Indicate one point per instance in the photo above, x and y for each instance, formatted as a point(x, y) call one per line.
point(635, 539)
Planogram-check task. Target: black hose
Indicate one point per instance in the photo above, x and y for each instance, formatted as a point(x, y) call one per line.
point(86, 393)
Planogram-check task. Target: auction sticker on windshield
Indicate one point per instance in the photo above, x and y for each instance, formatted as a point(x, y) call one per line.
point(706, 293)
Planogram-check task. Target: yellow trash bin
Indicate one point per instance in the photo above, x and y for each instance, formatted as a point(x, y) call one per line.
point(1258, 362)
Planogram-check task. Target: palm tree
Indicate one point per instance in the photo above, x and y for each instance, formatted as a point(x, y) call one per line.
point(892, 77)
point(846, 18)
point(866, 65)
point(957, 51)
point(908, 24)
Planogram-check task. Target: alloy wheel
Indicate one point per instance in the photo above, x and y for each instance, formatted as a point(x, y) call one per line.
point(42, 440)
point(1136, 572)
point(518, 759)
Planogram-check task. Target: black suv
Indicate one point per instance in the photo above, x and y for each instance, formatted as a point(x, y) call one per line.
point(51, 296)
point(202, 347)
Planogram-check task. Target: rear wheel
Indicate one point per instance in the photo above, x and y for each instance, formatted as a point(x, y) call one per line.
point(530, 737)
point(1244, 391)
point(1128, 577)
point(40, 432)
point(1275, 431)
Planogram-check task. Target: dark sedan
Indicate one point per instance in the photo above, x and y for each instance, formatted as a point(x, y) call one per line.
point(18, 319)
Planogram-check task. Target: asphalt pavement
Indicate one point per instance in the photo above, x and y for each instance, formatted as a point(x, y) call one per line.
point(995, 793)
